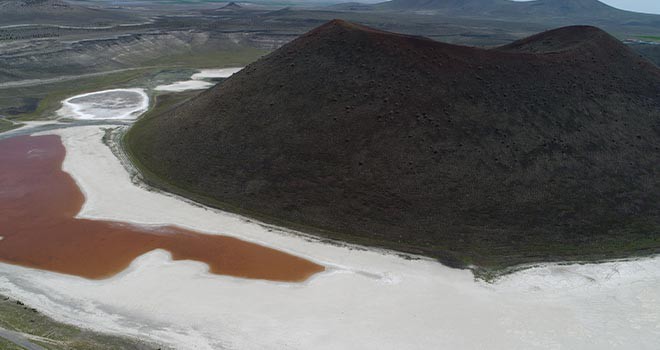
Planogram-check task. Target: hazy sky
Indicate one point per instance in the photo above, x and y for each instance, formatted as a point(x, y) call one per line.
point(650, 6)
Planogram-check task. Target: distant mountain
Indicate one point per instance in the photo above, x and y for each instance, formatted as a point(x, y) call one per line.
point(232, 6)
point(449, 6)
point(58, 12)
point(564, 10)
point(544, 149)
point(351, 6)
point(229, 7)
point(29, 5)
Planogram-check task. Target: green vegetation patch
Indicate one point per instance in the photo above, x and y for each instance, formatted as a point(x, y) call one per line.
point(50, 96)
point(6, 125)
point(7, 345)
point(41, 101)
point(210, 59)
point(650, 37)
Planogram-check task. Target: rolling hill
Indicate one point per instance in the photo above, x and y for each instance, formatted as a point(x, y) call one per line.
point(555, 11)
point(59, 12)
point(448, 6)
point(544, 149)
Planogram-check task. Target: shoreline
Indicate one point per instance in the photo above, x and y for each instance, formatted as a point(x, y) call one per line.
point(42, 231)
point(114, 139)
point(393, 302)
point(75, 111)
point(416, 295)
point(28, 328)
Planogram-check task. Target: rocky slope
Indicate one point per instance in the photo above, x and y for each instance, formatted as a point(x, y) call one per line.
point(544, 149)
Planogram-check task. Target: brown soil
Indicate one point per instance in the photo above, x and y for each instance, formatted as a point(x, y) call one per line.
point(38, 202)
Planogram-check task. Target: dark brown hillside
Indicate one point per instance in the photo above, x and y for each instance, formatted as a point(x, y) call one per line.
point(575, 39)
point(541, 150)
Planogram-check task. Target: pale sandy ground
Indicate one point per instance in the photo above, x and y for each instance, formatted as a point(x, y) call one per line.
point(102, 106)
point(33, 124)
point(216, 73)
point(198, 81)
point(366, 300)
point(187, 85)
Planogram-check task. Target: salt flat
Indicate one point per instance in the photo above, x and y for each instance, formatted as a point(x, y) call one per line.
point(198, 80)
point(107, 104)
point(216, 73)
point(367, 299)
point(184, 86)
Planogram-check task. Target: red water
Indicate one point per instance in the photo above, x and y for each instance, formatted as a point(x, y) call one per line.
point(38, 204)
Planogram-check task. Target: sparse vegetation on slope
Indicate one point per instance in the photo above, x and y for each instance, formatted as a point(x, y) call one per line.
point(49, 334)
point(60, 12)
point(542, 150)
point(42, 100)
point(6, 125)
